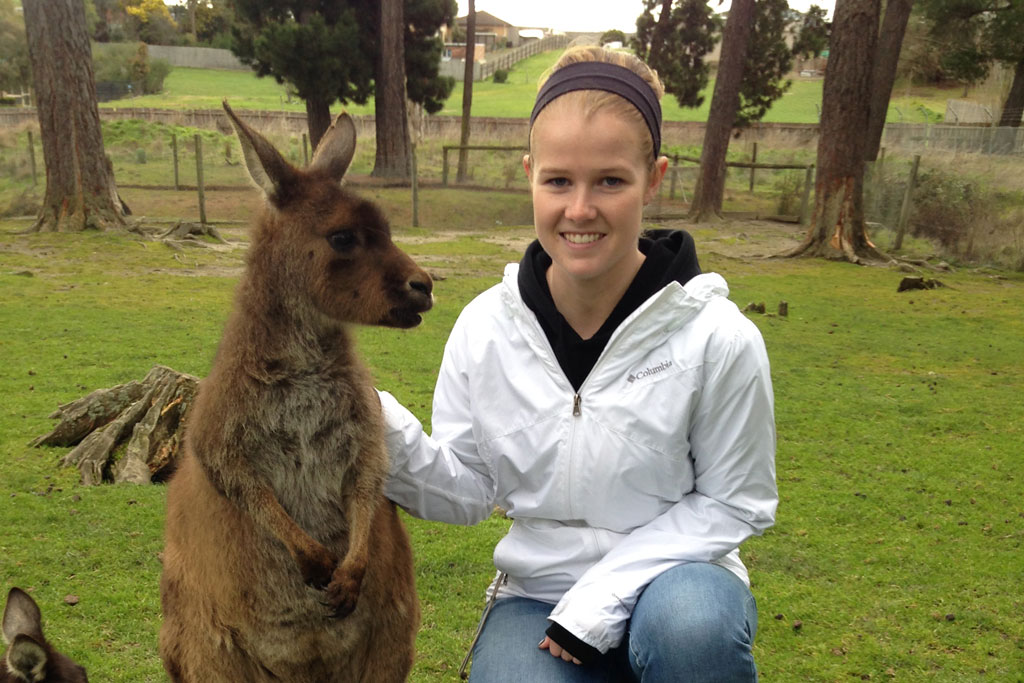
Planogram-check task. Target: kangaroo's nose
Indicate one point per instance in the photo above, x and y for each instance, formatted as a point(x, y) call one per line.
point(422, 286)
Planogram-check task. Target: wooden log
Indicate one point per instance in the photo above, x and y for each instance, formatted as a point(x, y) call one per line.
point(141, 421)
point(85, 415)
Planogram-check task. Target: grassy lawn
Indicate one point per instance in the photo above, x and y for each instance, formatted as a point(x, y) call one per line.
point(189, 88)
point(896, 555)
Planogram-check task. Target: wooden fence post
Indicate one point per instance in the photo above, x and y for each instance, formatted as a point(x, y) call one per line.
point(199, 179)
point(753, 160)
point(444, 166)
point(905, 209)
point(32, 157)
point(805, 202)
point(305, 150)
point(415, 190)
point(174, 150)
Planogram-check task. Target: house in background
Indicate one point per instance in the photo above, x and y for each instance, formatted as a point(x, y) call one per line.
point(492, 32)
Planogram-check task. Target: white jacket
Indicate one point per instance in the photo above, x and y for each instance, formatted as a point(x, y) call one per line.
point(665, 456)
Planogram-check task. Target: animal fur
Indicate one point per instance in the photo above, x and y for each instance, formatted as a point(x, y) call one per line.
point(283, 560)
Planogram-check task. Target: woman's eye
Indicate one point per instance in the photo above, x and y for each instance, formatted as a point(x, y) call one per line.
point(612, 182)
point(342, 240)
point(558, 182)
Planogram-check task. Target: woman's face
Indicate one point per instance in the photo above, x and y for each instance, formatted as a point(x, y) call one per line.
point(590, 181)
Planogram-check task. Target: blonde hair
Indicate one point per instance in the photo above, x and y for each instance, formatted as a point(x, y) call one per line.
point(593, 101)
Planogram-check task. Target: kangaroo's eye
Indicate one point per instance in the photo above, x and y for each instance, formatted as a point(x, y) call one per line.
point(342, 240)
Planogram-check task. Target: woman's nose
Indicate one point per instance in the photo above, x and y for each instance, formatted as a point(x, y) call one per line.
point(581, 207)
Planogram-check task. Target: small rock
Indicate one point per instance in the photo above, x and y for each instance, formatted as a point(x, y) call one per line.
point(71, 600)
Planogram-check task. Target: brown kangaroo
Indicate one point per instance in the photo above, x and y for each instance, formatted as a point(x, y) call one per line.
point(30, 659)
point(283, 560)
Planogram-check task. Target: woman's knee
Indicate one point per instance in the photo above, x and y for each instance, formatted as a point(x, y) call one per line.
point(696, 618)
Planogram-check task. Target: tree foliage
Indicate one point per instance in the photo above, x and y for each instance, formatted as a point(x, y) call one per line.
point(325, 51)
point(768, 61)
point(613, 36)
point(675, 45)
point(15, 73)
point(813, 35)
point(971, 35)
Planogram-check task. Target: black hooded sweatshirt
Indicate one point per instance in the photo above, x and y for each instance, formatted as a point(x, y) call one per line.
point(670, 255)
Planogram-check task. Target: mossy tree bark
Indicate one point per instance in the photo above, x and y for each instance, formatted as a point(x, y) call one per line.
point(80, 189)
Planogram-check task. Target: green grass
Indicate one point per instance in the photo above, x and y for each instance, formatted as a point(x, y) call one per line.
point(898, 542)
point(190, 88)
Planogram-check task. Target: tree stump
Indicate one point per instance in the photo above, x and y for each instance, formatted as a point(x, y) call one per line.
point(128, 433)
point(909, 283)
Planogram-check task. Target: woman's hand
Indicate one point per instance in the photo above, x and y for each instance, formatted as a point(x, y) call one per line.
point(556, 650)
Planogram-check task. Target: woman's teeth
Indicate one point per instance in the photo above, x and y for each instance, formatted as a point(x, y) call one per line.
point(585, 238)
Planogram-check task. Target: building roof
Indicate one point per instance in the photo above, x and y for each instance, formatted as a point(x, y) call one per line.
point(483, 19)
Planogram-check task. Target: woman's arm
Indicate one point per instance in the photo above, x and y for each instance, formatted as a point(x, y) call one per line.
point(732, 441)
point(441, 476)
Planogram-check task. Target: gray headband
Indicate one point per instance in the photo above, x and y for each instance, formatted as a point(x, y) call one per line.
point(610, 78)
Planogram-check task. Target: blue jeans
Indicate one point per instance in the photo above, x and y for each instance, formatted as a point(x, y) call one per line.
point(694, 623)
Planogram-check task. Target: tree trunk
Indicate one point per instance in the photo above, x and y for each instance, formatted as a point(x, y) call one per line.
point(1013, 107)
point(894, 26)
point(837, 226)
point(659, 36)
point(80, 188)
point(707, 197)
point(318, 119)
point(467, 93)
point(393, 145)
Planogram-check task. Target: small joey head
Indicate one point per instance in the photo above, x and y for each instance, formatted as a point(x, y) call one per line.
point(29, 658)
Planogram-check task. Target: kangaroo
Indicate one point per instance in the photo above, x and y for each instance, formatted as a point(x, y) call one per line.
point(283, 561)
point(30, 659)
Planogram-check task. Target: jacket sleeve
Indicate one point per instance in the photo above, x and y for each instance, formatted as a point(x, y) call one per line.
point(440, 476)
point(732, 444)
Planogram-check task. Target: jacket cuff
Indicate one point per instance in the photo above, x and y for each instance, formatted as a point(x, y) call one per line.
point(587, 654)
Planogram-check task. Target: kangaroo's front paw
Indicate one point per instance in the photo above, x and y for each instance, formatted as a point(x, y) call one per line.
point(343, 591)
point(317, 566)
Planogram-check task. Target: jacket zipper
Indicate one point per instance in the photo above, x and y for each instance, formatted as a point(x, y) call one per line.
point(576, 400)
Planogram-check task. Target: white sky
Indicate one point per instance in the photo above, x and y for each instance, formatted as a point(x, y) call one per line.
point(587, 15)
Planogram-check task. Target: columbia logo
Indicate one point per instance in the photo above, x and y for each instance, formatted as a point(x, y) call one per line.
point(647, 372)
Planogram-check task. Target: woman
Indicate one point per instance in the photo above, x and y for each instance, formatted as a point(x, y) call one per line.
point(615, 403)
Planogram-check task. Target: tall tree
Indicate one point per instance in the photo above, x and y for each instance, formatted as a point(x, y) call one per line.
point(837, 225)
point(883, 75)
point(394, 157)
point(467, 93)
point(675, 45)
point(725, 102)
point(327, 50)
point(974, 35)
point(80, 189)
point(813, 35)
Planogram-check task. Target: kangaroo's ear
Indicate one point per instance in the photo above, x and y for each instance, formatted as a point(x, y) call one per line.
point(336, 148)
point(267, 167)
point(21, 616)
point(27, 659)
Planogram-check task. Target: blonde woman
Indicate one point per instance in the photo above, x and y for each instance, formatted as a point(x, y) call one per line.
point(617, 405)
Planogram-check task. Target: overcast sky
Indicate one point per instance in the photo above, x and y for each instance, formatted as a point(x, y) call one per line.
point(586, 15)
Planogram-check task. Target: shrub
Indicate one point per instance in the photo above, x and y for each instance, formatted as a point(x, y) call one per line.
point(123, 69)
point(158, 70)
point(789, 187)
point(501, 76)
